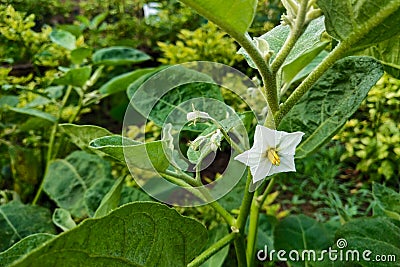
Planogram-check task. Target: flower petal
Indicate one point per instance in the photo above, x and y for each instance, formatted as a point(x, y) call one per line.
point(263, 138)
point(261, 170)
point(249, 157)
point(289, 142)
point(286, 165)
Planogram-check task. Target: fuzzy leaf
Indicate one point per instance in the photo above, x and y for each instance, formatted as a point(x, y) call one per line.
point(157, 94)
point(379, 235)
point(138, 234)
point(122, 82)
point(231, 15)
point(18, 221)
point(23, 247)
point(81, 135)
point(342, 18)
point(68, 180)
point(387, 200)
point(148, 156)
point(308, 42)
point(331, 102)
point(119, 55)
point(111, 199)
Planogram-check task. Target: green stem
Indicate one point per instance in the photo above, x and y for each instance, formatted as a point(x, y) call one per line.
point(335, 55)
point(53, 133)
point(269, 80)
point(240, 251)
point(78, 110)
point(253, 226)
point(206, 254)
point(246, 203)
point(252, 234)
point(290, 42)
point(227, 137)
point(267, 191)
point(241, 222)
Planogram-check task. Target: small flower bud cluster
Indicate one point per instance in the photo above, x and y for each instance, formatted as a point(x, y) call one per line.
point(215, 140)
point(214, 137)
point(292, 9)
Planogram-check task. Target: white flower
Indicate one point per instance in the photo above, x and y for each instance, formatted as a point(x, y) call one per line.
point(272, 152)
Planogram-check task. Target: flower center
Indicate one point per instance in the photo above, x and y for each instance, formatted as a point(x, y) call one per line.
point(273, 156)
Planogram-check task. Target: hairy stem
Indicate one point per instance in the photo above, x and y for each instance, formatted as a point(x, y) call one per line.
point(290, 42)
point(334, 56)
point(269, 80)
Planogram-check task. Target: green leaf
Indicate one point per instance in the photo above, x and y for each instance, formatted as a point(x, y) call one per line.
point(138, 234)
point(23, 247)
point(235, 17)
point(8, 101)
point(96, 193)
point(216, 234)
point(308, 43)
point(81, 135)
point(176, 85)
point(299, 232)
point(76, 30)
point(18, 221)
point(68, 179)
point(26, 168)
point(38, 101)
point(343, 18)
point(387, 200)
point(62, 218)
point(35, 113)
point(132, 194)
point(119, 55)
point(96, 21)
point(111, 200)
point(122, 82)
point(148, 156)
point(63, 38)
point(290, 70)
point(310, 67)
point(78, 55)
point(388, 52)
point(379, 235)
point(75, 77)
point(323, 110)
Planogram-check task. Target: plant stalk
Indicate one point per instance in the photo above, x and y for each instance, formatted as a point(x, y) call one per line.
point(290, 42)
point(337, 53)
point(53, 133)
point(206, 254)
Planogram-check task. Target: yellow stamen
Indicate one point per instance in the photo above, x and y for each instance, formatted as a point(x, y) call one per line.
point(273, 157)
